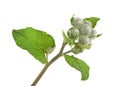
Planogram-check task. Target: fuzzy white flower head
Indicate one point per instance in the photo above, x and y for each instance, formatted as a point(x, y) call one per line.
point(76, 22)
point(85, 29)
point(73, 33)
point(84, 40)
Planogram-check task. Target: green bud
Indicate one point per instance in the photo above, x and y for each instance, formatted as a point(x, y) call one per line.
point(88, 46)
point(77, 50)
point(73, 33)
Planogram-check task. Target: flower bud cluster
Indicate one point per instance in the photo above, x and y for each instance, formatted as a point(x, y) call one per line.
point(81, 33)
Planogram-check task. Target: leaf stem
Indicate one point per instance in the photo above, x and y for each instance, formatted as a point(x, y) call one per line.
point(48, 64)
point(67, 52)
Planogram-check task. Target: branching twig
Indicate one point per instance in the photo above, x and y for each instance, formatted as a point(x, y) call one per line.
point(48, 64)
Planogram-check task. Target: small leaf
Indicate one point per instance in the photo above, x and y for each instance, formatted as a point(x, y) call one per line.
point(99, 35)
point(67, 40)
point(72, 20)
point(36, 42)
point(78, 65)
point(93, 20)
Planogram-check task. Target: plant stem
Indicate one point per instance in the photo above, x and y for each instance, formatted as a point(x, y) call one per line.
point(48, 64)
point(67, 52)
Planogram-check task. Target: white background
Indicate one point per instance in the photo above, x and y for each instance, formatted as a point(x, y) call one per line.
point(19, 68)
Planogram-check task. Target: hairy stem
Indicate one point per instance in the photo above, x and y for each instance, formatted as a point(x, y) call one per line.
point(48, 64)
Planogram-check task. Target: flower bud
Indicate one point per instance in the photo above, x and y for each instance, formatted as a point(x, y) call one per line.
point(84, 40)
point(76, 22)
point(77, 50)
point(88, 23)
point(73, 33)
point(93, 34)
point(85, 30)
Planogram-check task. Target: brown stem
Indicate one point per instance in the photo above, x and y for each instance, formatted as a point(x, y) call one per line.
point(69, 51)
point(48, 64)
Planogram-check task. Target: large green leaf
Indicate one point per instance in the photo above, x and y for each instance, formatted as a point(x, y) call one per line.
point(79, 65)
point(93, 20)
point(36, 42)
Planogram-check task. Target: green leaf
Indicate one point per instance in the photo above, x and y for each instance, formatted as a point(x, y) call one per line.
point(78, 65)
point(93, 20)
point(99, 35)
point(36, 42)
point(67, 40)
point(72, 20)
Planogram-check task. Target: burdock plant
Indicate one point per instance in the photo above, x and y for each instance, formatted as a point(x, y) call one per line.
point(40, 44)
